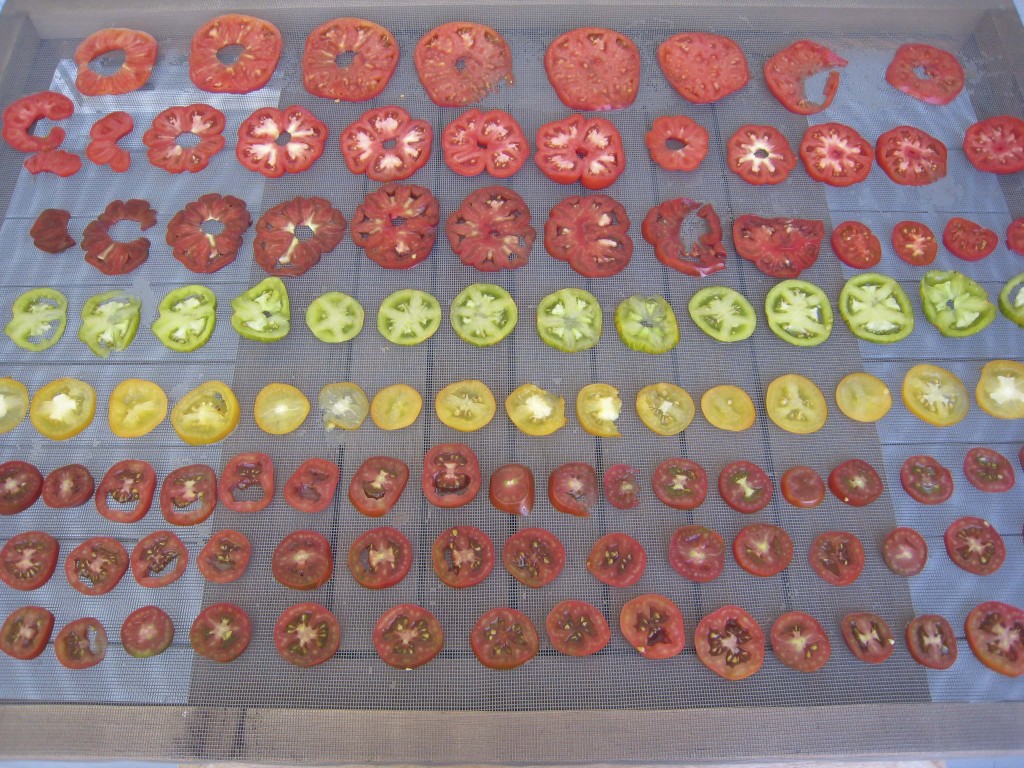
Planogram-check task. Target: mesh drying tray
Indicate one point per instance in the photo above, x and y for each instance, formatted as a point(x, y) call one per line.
point(615, 706)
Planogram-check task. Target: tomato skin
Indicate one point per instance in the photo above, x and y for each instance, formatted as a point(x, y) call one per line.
point(697, 553)
point(224, 557)
point(451, 475)
point(931, 641)
point(573, 489)
point(188, 495)
point(974, 545)
point(380, 558)
point(369, 72)
point(730, 623)
point(159, 559)
point(593, 69)
point(242, 472)
point(856, 245)
point(463, 556)
point(802, 487)
point(689, 143)
point(910, 156)
point(996, 145)
point(81, 644)
point(407, 637)
point(491, 141)
point(942, 77)
point(258, 135)
point(621, 487)
point(703, 67)
point(221, 632)
point(617, 560)
point(491, 230)
point(905, 551)
point(39, 549)
point(512, 489)
point(103, 137)
point(925, 480)
point(365, 144)
point(128, 482)
point(837, 557)
point(25, 632)
point(299, 621)
point(745, 487)
point(303, 561)
point(504, 638)
point(868, 637)
point(662, 228)
point(587, 150)
point(262, 43)
point(855, 482)
point(654, 626)
point(995, 633)
point(21, 485)
point(763, 550)
point(377, 485)
point(50, 231)
point(311, 487)
point(915, 243)
point(576, 628)
point(760, 154)
point(836, 154)
point(590, 233)
point(486, 56)
point(535, 557)
point(988, 470)
point(781, 248)
point(96, 566)
point(800, 642)
point(786, 72)
point(147, 632)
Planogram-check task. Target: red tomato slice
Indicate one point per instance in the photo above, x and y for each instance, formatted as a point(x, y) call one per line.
point(868, 637)
point(504, 638)
point(374, 57)
point(21, 484)
point(653, 625)
point(311, 488)
point(221, 632)
point(802, 487)
point(303, 560)
point(989, 470)
point(463, 556)
point(139, 49)
point(55, 161)
point(261, 44)
point(396, 225)
point(593, 69)
point(781, 248)
point(485, 141)
point(697, 553)
point(617, 560)
point(730, 643)
point(377, 485)
point(278, 141)
point(974, 545)
point(28, 560)
point(282, 249)
point(147, 632)
point(21, 115)
point(855, 482)
point(407, 637)
point(96, 565)
point(800, 642)
point(198, 250)
point(745, 487)
point(905, 551)
point(931, 641)
point(856, 245)
point(703, 67)
point(927, 73)
point(512, 489)
point(125, 493)
point(188, 495)
point(995, 632)
point(837, 557)
point(573, 489)
point(786, 72)
point(910, 156)
point(925, 480)
point(576, 628)
point(242, 475)
point(680, 483)
point(461, 62)
point(380, 558)
point(587, 150)
point(159, 559)
point(663, 228)
point(113, 257)
point(491, 230)
point(199, 120)
point(534, 557)
point(307, 634)
point(451, 475)
point(591, 234)
point(1014, 236)
point(386, 144)
point(967, 240)
point(81, 644)
point(50, 231)
point(225, 557)
point(677, 143)
point(759, 154)
point(836, 154)
point(763, 550)
point(25, 632)
point(996, 145)
point(103, 137)
point(915, 243)
point(621, 487)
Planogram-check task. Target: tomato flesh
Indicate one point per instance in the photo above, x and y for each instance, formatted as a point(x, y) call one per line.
point(224, 557)
point(451, 475)
point(837, 557)
point(868, 637)
point(512, 489)
point(925, 480)
point(802, 487)
point(760, 154)
point(663, 229)
point(988, 470)
point(303, 560)
point(995, 632)
point(113, 257)
point(49, 231)
point(591, 234)
point(915, 243)
point(779, 247)
point(617, 560)
point(396, 225)
point(461, 62)
point(377, 485)
point(931, 641)
point(974, 545)
point(677, 143)
point(491, 230)
point(278, 247)
point(386, 144)
point(697, 553)
point(855, 482)
point(968, 240)
point(463, 556)
point(147, 632)
point(504, 638)
point(680, 483)
point(786, 72)
point(407, 637)
point(96, 566)
point(103, 137)
point(593, 69)
point(534, 557)
point(478, 141)
point(730, 643)
point(653, 625)
point(261, 44)
point(703, 67)
point(856, 245)
point(927, 73)
point(996, 145)
point(905, 551)
point(307, 634)
point(573, 489)
point(125, 493)
point(836, 154)
point(800, 642)
point(161, 140)
point(81, 644)
point(621, 487)
point(587, 150)
point(242, 475)
point(275, 141)
point(374, 59)
point(745, 487)
point(380, 558)
point(311, 487)
point(21, 115)
point(763, 550)
point(28, 560)
point(159, 559)
point(21, 485)
point(911, 157)
point(188, 495)
point(221, 632)
point(576, 628)
point(25, 632)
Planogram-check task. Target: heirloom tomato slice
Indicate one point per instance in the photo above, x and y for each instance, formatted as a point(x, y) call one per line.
point(703, 67)
point(653, 625)
point(593, 69)
point(730, 643)
point(504, 638)
point(925, 480)
point(147, 632)
point(762, 549)
point(904, 551)
point(136, 408)
point(335, 317)
point(855, 482)
point(159, 559)
point(780, 247)
point(13, 404)
point(260, 43)
point(275, 141)
point(242, 473)
point(910, 156)
point(202, 121)
point(483, 314)
point(407, 637)
point(55, 161)
point(221, 632)
point(311, 487)
point(114, 257)
point(931, 641)
point(597, 409)
point(21, 116)
point(915, 243)
point(836, 154)
point(28, 560)
point(786, 72)
point(396, 225)
point(925, 72)
point(647, 324)
point(206, 415)
point(380, 558)
point(569, 320)
point(463, 556)
point(995, 632)
point(188, 495)
point(968, 240)
point(697, 553)
point(280, 408)
point(461, 62)
point(110, 321)
point(188, 316)
point(1011, 300)
point(38, 319)
point(125, 493)
point(263, 313)
point(491, 230)
point(1014, 235)
point(139, 50)
point(975, 545)
point(935, 395)
point(760, 154)
point(465, 406)
point(677, 143)
point(451, 475)
point(794, 403)
point(303, 561)
point(837, 557)
point(25, 632)
point(664, 408)
point(96, 565)
point(680, 483)
point(856, 245)
point(224, 557)
point(996, 145)
point(876, 308)
point(281, 246)
point(578, 148)
point(63, 408)
point(745, 487)
point(199, 250)
point(408, 317)
point(386, 144)
point(576, 628)
point(81, 644)
point(800, 642)
point(50, 231)
point(617, 560)
point(20, 486)
point(728, 407)
point(573, 489)
point(956, 305)
point(868, 637)
point(512, 489)
point(534, 557)
point(69, 486)
point(374, 57)
point(591, 234)
point(489, 141)
point(1000, 390)
point(799, 312)
point(535, 411)
point(103, 137)
point(802, 487)
point(664, 226)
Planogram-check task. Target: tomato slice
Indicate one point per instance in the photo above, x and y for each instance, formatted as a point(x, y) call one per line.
point(677, 143)
point(925, 480)
point(593, 69)
point(968, 240)
point(386, 144)
point(728, 408)
point(680, 483)
point(647, 324)
point(280, 408)
point(396, 225)
point(578, 148)
point(1000, 390)
point(504, 638)
point(311, 487)
point(935, 395)
point(335, 317)
point(745, 487)
point(463, 556)
point(995, 632)
point(25, 632)
point(617, 560)
point(281, 248)
point(996, 145)
point(910, 156)
point(380, 558)
point(534, 557)
point(491, 141)
point(573, 489)
point(576, 628)
point(55, 161)
point(759, 154)
point(275, 141)
point(868, 637)
point(780, 247)
point(409, 317)
point(125, 493)
point(598, 407)
point(763, 550)
point(1014, 235)
point(802, 487)
point(465, 406)
point(50, 231)
point(863, 397)
point(81, 644)
point(876, 308)
point(224, 557)
point(38, 319)
point(187, 318)
point(221, 632)
point(374, 59)
point(974, 545)
point(461, 62)
point(28, 560)
point(785, 74)
point(653, 625)
point(730, 643)
point(794, 403)
point(139, 50)
point(147, 632)
point(837, 557)
point(591, 234)
point(407, 637)
point(377, 485)
point(856, 245)
point(307, 634)
point(69, 486)
point(722, 313)
point(855, 482)
point(261, 44)
point(800, 642)
point(303, 560)
point(114, 257)
point(396, 407)
point(243, 474)
point(13, 404)
point(207, 414)
point(512, 489)
point(931, 641)
point(569, 320)
point(162, 139)
point(703, 67)
point(988, 470)
point(621, 487)
point(483, 314)
point(188, 495)
point(201, 251)
point(21, 115)
point(697, 553)
point(536, 411)
point(159, 559)
point(664, 408)
point(915, 243)
point(925, 72)
point(136, 408)
point(905, 551)
point(451, 475)
point(96, 565)
point(836, 154)
point(491, 230)
point(1011, 300)
point(663, 228)
point(102, 148)
point(21, 484)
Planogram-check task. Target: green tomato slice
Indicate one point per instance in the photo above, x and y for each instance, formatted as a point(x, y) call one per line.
point(109, 322)
point(1011, 300)
point(263, 313)
point(187, 318)
point(876, 308)
point(647, 324)
point(799, 312)
point(955, 304)
point(409, 317)
point(722, 313)
point(569, 320)
point(335, 317)
point(484, 314)
point(38, 319)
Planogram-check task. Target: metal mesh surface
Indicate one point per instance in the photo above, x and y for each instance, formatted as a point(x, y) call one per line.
point(617, 678)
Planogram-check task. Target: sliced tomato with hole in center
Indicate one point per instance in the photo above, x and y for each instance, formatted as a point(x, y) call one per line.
point(781, 248)
point(114, 257)
point(407, 637)
point(462, 62)
point(593, 69)
point(380, 558)
point(188, 495)
point(617, 560)
point(28, 560)
point(139, 49)
point(911, 157)
point(677, 143)
point(905, 551)
point(25, 632)
point(855, 482)
point(787, 71)
point(307, 634)
point(203, 252)
point(925, 72)
point(915, 243)
point(21, 485)
point(836, 154)
point(654, 626)
point(451, 475)
point(396, 225)
point(996, 145)
point(931, 641)
point(512, 489)
point(69, 486)
point(802, 487)
point(534, 557)
point(204, 122)
point(837, 557)
point(762, 549)
point(504, 638)
point(868, 637)
point(103, 137)
point(968, 240)
point(745, 487)
point(81, 644)
point(386, 144)
point(311, 487)
point(374, 57)
point(147, 632)
point(975, 545)
point(242, 475)
point(576, 628)
point(281, 248)
point(995, 633)
point(703, 67)
point(221, 632)
point(261, 44)
point(125, 493)
point(224, 557)
point(377, 485)
point(800, 642)
point(697, 553)
point(96, 565)
point(590, 233)
point(49, 231)
point(680, 483)
point(578, 148)
point(573, 488)
point(21, 116)
point(491, 141)
point(275, 141)
point(303, 560)
point(856, 245)
point(491, 230)
point(988, 470)
point(159, 559)
point(925, 480)
point(621, 487)
point(664, 228)
point(463, 556)
point(730, 643)
point(760, 154)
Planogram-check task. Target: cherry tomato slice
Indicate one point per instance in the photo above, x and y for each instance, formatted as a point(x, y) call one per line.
point(988, 470)
point(785, 74)
point(905, 551)
point(653, 625)
point(745, 487)
point(837, 557)
point(730, 643)
point(680, 483)
point(380, 558)
point(307, 634)
point(868, 637)
point(95, 566)
point(225, 557)
point(451, 475)
point(159, 559)
point(221, 632)
point(125, 493)
point(593, 69)
point(407, 637)
point(377, 485)
point(28, 560)
point(856, 245)
point(534, 557)
point(621, 487)
point(760, 154)
point(910, 156)
point(188, 495)
point(677, 143)
point(974, 545)
point(25, 632)
point(763, 550)
point(242, 475)
point(968, 240)
point(925, 72)
point(478, 141)
point(931, 641)
point(147, 632)
point(374, 59)
point(995, 632)
point(303, 560)
point(617, 560)
point(591, 234)
point(855, 482)
point(996, 145)
point(573, 489)
point(504, 638)
point(512, 489)
point(21, 484)
point(836, 154)
point(461, 62)
point(311, 487)
point(800, 642)
point(802, 487)
point(915, 243)
point(463, 556)
point(576, 628)
point(697, 553)
point(925, 480)
point(703, 67)
point(81, 644)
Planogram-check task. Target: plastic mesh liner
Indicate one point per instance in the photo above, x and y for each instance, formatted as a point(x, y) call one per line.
point(617, 678)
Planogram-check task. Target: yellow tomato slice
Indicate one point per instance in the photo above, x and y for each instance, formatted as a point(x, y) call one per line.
point(280, 408)
point(598, 407)
point(1000, 391)
point(344, 405)
point(465, 405)
point(136, 408)
point(63, 408)
point(863, 397)
point(665, 408)
point(794, 403)
point(535, 411)
point(935, 395)
point(728, 407)
point(396, 407)
point(207, 414)
point(13, 404)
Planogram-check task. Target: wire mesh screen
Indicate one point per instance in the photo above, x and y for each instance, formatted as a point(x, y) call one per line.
point(617, 678)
